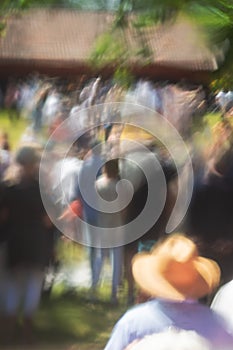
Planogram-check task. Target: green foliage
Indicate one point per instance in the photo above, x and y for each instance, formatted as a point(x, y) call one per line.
point(25, 4)
point(121, 18)
point(109, 47)
point(2, 26)
point(163, 9)
point(222, 81)
point(216, 19)
point(123, 77)
point(144, 20)
point(145, 53)
point(70, 321)
point(214, 22)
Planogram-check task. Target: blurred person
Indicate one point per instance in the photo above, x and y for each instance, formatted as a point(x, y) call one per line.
point(11, 99)
point(221, 101)
point(51, 108)
point(2, 255)
point(37, 112)
point(109, 123)
point(4, 162)
point(106, 186)
point(57, 131)
point(64, 178)
point(224, 101)
point(223, 303)
point(27, 233)
point(1, 98)
point(28, 136)
point(92, 165)
point(209, 216)
point(81, 116)
point(89, 92)
point(171, 339)
point(27, 90)
point(175, 277)
point(5, 154)
point(158, 229)
point(4, 141)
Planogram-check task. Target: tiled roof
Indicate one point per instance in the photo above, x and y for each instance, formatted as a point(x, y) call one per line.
point(52, 34)
point(66, 35)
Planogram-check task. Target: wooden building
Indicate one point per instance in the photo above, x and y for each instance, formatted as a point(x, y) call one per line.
point(60, 43)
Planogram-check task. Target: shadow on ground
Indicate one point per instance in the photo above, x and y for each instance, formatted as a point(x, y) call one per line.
point(69, 322)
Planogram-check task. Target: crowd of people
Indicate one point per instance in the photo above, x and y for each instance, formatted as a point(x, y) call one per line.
point(69, 153)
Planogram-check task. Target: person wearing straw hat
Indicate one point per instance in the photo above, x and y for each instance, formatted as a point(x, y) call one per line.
point(223, 303)
point(175, 277)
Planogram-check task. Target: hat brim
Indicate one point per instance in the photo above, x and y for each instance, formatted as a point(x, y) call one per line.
point(147, 274)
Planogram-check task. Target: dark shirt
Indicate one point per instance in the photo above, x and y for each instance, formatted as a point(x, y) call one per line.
point(29, 241)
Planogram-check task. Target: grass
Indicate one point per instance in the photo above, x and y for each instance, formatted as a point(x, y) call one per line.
point(72, 320)
point(14, 128)
point(67, 319)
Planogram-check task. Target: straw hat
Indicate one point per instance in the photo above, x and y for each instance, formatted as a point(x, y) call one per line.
point(174, 270)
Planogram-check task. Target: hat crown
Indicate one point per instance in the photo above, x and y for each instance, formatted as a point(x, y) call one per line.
point(178, 249)
point(177, 256)
point(174, 270)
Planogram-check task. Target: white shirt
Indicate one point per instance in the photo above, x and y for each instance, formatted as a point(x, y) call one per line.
point(157, 315)
point(223, 304)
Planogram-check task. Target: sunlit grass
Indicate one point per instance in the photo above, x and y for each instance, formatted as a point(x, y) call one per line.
point(69, 251)
point(211, 119)
point(202, 130)
point(72, 319)
point(14, 128)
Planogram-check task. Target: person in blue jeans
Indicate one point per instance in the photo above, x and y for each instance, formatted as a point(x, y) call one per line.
point(106, 186)
point(86, 193)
